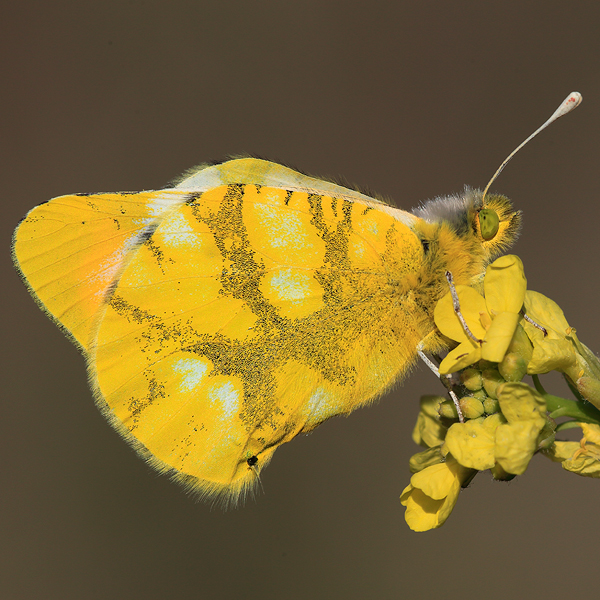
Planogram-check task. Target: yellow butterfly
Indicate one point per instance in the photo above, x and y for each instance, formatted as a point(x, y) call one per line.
point(247, 304)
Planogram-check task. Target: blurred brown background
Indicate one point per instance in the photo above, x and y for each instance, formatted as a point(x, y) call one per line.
point(411, 99)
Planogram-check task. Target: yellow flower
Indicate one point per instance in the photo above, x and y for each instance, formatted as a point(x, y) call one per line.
point(509, 439)
point(553, 351)
point(560, 349)
point(581, 457)
point(432, 493)
point(492, 319)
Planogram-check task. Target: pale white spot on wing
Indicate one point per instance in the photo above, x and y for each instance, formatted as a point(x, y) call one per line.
point(285, 230)
point(176, 231)
point(228, 397)
point(289, 285)
point(372, 227)
point(191, 371)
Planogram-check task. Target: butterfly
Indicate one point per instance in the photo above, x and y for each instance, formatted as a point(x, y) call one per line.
point(249, 303)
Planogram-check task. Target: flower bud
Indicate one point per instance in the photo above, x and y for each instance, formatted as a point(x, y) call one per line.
point(448, 410)
point(589, 388)
point(513, 367)
point(491, 380)
point(480, 395)
point(546, 438)
point(491, 406)
point(471, 407)
point(471, 379)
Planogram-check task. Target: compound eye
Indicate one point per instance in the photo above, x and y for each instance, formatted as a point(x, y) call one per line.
point(488, 223)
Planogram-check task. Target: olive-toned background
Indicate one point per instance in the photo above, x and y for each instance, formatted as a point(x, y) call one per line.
point(411, 99)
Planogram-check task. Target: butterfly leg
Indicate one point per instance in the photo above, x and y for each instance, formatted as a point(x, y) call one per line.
point(530, 320)
point(456, 306)
point(445, 379)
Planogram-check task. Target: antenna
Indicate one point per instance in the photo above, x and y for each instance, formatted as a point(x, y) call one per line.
point(573, 100)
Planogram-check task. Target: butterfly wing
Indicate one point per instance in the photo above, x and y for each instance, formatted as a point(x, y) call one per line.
point(71, 250)
point(224, 316)
point(249, 315)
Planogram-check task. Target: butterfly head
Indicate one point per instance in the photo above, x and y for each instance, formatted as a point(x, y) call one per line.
point(493, 227)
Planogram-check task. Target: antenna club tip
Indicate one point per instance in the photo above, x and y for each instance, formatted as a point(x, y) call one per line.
point(573, 100)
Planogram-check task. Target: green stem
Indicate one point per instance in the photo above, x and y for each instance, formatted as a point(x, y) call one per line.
point(538, 384)
point(563, 407)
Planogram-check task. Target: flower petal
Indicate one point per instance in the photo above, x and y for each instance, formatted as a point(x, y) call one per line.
point(517, 441)
point(448, 506)
point(444, 480)
point(551, 355)
point(499, 336)
point(515, 445)
point(504, 285)
point(462, 356)
point(585, 461)
point(472, 445)
point(591, 433)
point(435, 481)
point(554, 351)
point(471, 305)
point(421, 510)
point(587, 466)
point(519, 402)
point(545, 312)
point(581, 458)
point(560, 451)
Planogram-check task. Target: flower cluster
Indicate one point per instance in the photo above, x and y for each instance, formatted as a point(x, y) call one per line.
point(512, 332)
